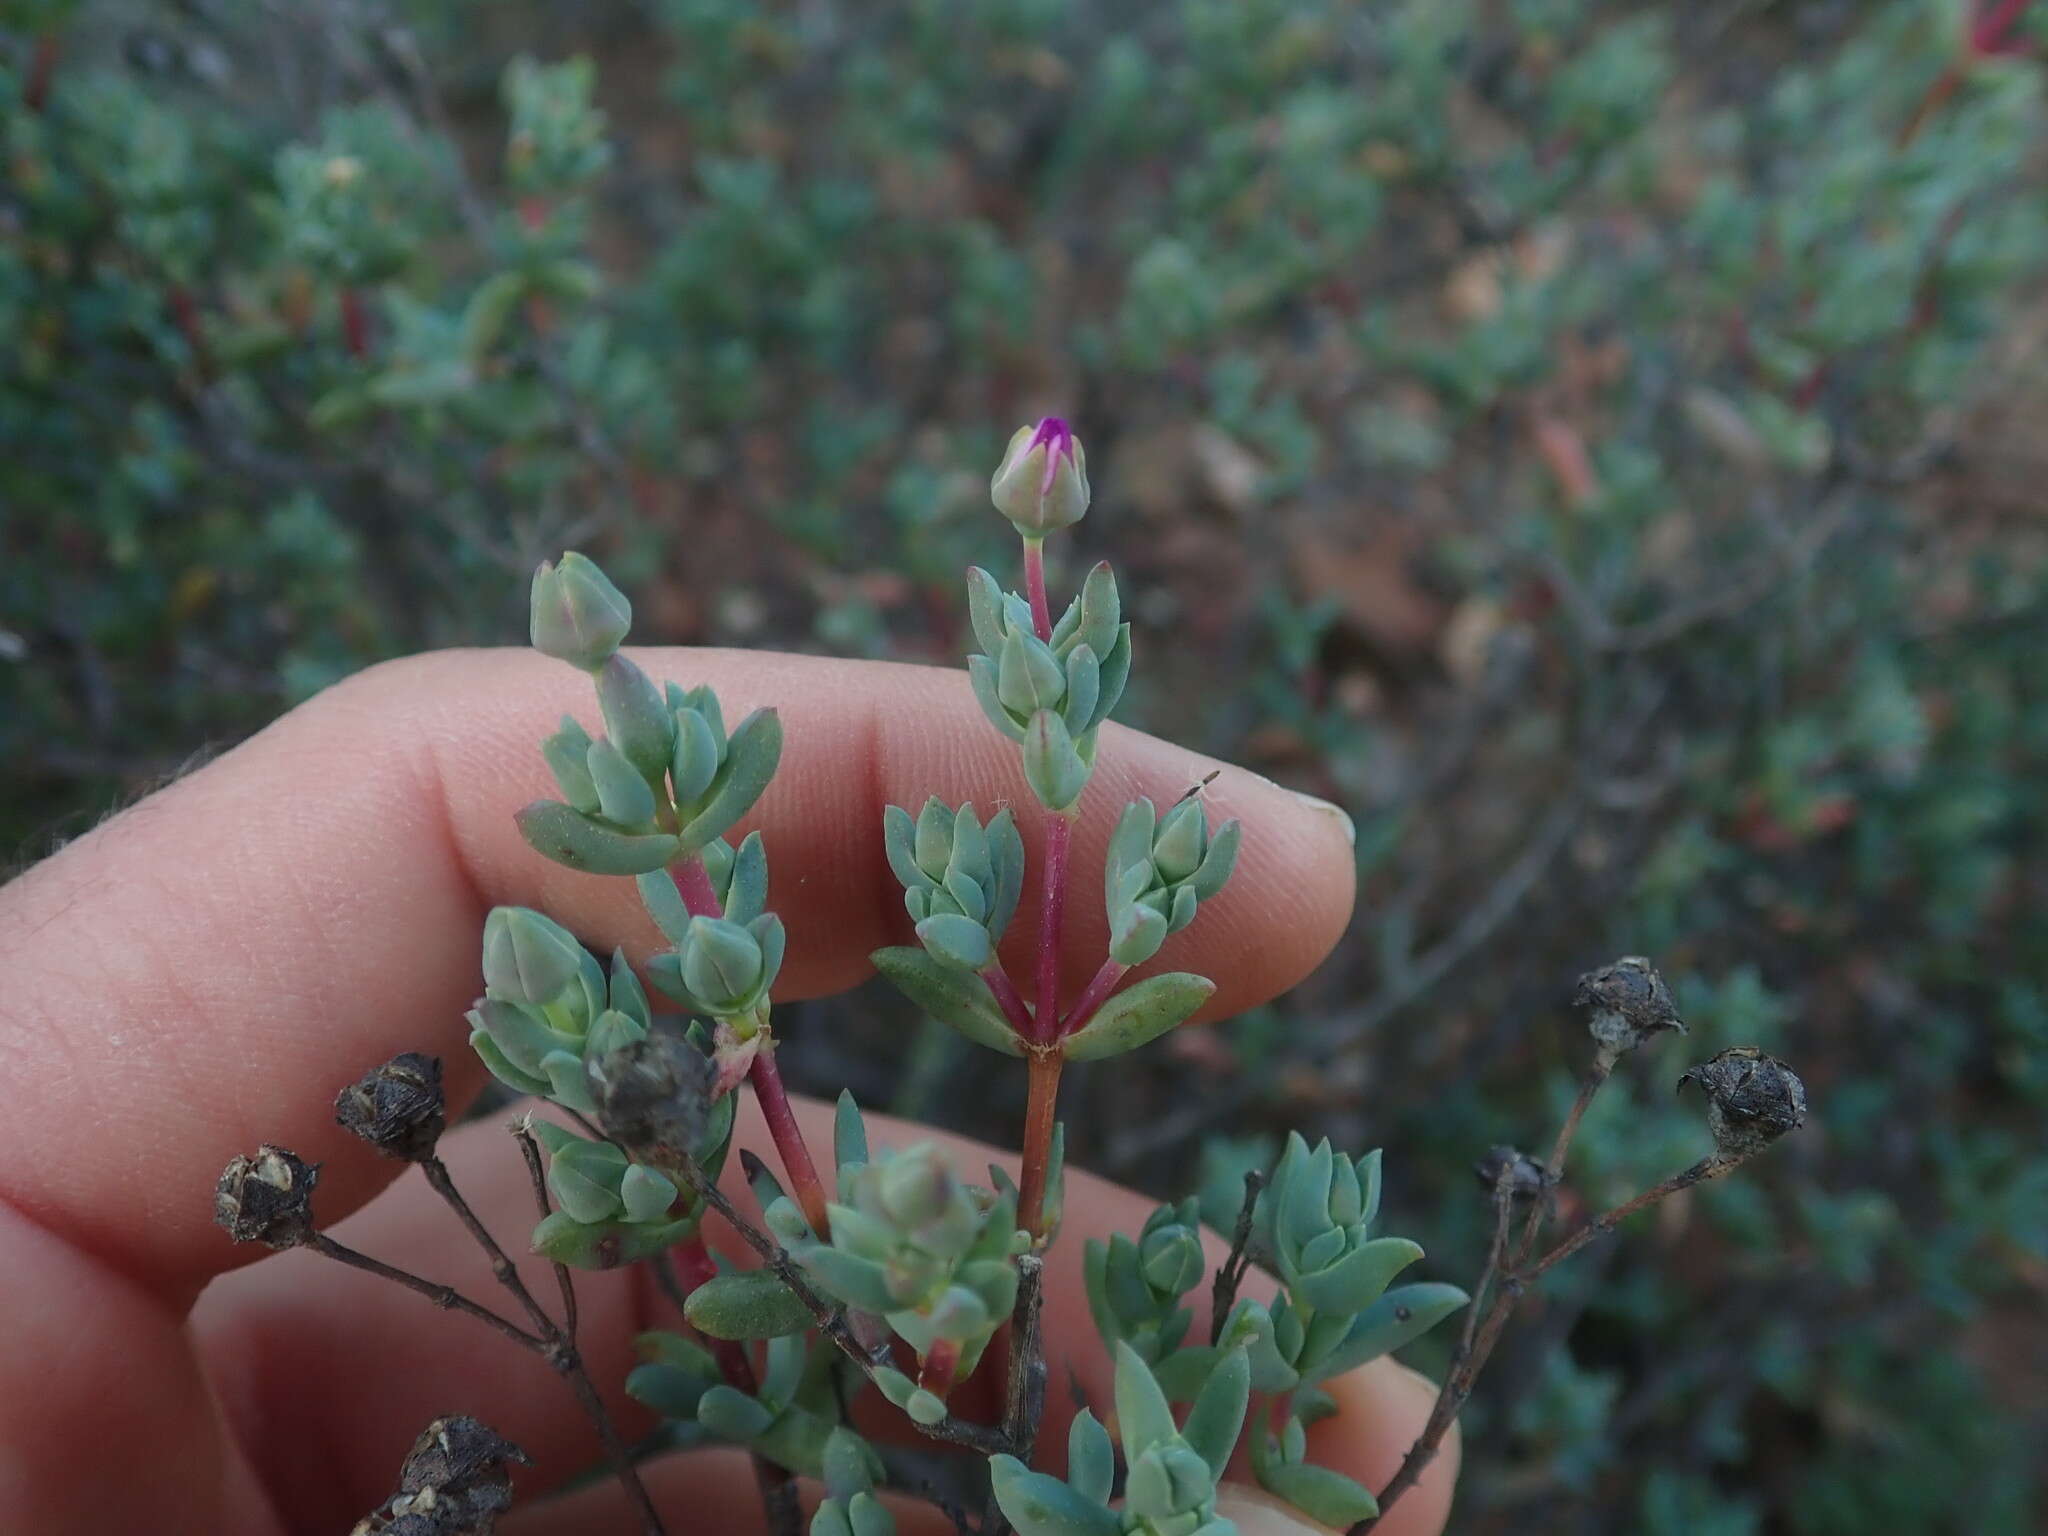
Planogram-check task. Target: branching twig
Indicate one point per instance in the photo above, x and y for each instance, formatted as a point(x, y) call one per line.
point(529, 1149)
point(830, 1318)
point(556, 1342)
point(1024, 1401)
point(1712, 1167)
point(440, 1295)
point(1231, 1272)
point(1501, 1286)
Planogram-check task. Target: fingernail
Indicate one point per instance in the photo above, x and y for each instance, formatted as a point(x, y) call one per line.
point(1338, 811)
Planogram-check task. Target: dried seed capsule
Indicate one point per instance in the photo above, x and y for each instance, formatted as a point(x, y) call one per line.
point(267, 1198)
point(1526, 1177)
point(397, 1108)
point(454, 1483)
point(653, 1093)
point(1628, 1004)
point(1752, 1099)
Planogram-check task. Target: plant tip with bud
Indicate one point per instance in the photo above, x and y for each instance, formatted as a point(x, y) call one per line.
point(1042, 483)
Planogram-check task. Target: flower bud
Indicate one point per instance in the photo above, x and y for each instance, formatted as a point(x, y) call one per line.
point(1042, 484)
point(721, 963)
point(397, 1108)
point(916, 1186)
point(576, 615)
point(528, 958)
point(1752, 1099)
point(267, 1198)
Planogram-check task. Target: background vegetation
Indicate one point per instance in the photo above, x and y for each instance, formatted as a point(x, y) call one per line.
point(1591, 441)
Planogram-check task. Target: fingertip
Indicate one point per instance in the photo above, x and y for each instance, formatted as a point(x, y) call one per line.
point(1382, 1408)
point(1289, 899)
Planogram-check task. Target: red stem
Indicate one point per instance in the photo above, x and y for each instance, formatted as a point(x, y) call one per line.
point(1991, 32)
point(694, 1266)
point(936, 1374)
point(1010, 998)
point(355, 323)
point(1092, 997)
point(789, 1139)
point(185, 314)
point(1058, 836)
point(42, 72)
point(1034, 585)
point(693, 884)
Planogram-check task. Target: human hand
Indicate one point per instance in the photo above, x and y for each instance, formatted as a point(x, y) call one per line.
point(203, 972)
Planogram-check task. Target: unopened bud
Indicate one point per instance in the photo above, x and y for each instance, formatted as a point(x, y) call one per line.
point(576, 614)
point(528, 958)
point(917, 1186)
point(1752, 1099)
point(1042, 484)
point(397, 1108)
point(267, 1198)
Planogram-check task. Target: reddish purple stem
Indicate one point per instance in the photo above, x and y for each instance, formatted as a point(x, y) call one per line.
point(1034, 586)
point(789, 1138)
point(1092, 997)
point(693, 884)
point(1010, 998)
point(1059, 833)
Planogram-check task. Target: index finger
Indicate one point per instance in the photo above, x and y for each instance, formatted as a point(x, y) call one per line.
point(203, 972)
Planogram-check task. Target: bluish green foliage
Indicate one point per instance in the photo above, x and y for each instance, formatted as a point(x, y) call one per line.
point(1612, 328)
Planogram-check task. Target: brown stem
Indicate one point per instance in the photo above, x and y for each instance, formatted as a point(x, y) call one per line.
point(570, 1366)
point(1495, 1296)
point(529, 1149)
point(42, 72)
point(557, 1343)
point(1024, 1400)
point(1230, 1274)
point(501, 1264)
point(440, 1295)
point(1040, 1117)
point(1712, 1167)
point(1553, 1166)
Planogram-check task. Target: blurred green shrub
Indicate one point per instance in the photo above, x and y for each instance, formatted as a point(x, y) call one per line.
point(1592, 441)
